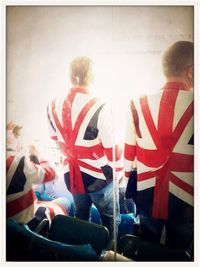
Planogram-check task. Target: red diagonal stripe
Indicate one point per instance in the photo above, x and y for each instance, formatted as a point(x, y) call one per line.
point(149, 120)
point(81, 117)
point(15, 206)
point(9, 161)
point(67, 116)
point(49, 174)
point(182, 123)
point(135, 119)
point(144, 176)
point(183, 185)
point(89, 167)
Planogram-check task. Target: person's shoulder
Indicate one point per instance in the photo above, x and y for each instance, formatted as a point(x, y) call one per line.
point(99, 100)
point(55, 99)
point(143, 99)
point(16, 156)
point(188, 94)
point(149, 97)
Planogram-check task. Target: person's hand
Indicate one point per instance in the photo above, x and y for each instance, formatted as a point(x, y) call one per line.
point(123, 181)
point(33, 151)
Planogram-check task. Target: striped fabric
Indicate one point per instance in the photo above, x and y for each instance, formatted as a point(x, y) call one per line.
point(160, 139)
point(82, 126)
point(52, 208)
point(21, 173)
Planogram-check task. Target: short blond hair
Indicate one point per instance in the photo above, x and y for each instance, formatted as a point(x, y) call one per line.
point(80, 71)
point(177, 57)
point(14, 128)
point(17, 131)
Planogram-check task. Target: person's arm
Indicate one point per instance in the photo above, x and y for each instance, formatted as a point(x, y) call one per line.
point(130, 144)
point(38, 169)
point(107, 136)
point(51, 126)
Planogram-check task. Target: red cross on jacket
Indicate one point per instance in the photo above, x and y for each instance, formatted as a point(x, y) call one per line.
point(69, 130)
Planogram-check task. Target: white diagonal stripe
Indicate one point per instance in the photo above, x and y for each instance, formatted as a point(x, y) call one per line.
point(181, 194)
point(187, 177)
point(148, 183)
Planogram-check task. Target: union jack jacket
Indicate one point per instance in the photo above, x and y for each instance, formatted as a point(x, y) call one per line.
point(82, 126)
point(159, 138)
point(21, 173)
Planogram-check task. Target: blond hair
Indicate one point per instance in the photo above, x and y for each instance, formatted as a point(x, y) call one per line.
point(14, 128)
point(17, 131)
point(80, 71)
point(177, 58)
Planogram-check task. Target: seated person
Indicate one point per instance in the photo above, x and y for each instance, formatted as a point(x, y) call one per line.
point(21, 173)
point(47, 192)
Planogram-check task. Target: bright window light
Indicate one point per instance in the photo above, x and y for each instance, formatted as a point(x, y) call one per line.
point(124, 42)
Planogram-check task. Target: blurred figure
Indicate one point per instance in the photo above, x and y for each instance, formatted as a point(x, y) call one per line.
point(160, 143)
point(46, 192)
point(21, 173)
point(82, 126)
point(127, 205)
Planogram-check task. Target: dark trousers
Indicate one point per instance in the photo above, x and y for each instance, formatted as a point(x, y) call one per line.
point(177, 234)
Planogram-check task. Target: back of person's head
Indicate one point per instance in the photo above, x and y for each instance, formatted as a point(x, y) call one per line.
point(14, 129)
point(81, 71)
point(177, 58)
point(13, 135)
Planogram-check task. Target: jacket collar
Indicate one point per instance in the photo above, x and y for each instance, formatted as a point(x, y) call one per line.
point(80, 89)
point(176, 86)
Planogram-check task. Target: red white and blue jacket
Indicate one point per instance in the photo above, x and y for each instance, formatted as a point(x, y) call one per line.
point(21, 173)
point(159, 139)
point(82, 126)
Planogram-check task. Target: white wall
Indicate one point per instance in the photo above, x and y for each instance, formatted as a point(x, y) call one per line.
point(125, 43)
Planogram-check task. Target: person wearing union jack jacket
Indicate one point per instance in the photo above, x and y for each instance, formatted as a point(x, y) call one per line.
point(82, 126)
point(159, 143)
point(22, 172)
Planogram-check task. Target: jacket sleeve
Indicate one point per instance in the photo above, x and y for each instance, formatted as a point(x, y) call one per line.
point(130, 143)
point(109, 140)
point(39, 173)
point(50, 123)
